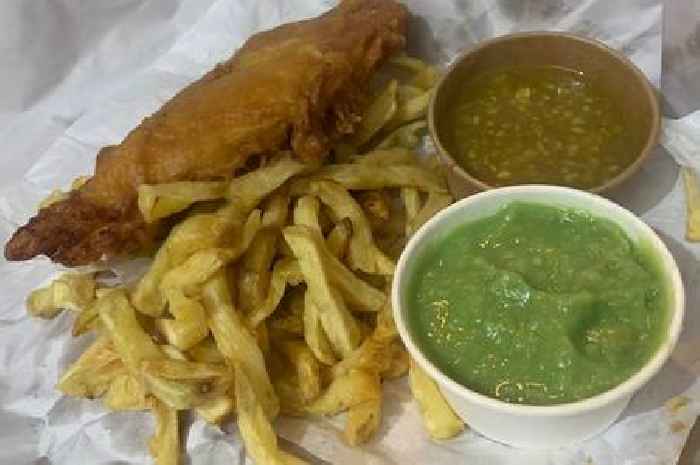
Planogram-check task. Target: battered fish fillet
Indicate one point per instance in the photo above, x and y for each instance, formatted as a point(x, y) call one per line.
point(300, 87)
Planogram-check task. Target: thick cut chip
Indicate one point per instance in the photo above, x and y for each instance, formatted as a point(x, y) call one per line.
point(363, 421)
point(375, 353)
point(340, 326)
point(436, 202)
point(289, 318)
point(349, 390)
point(339, 238)
point(246, 191)
point(126, 392)
point(91, 375)
point(692, 201)
point(254, 270)
point(236, 342)
point(72, 291)
point(255, 427)
point(357, 293)
point(305, 366)
point(286, 272)
point(412, 204)
point(367, 176)
point(134, 346)
point(314, 334)
point(306, 212)
point(221, 229)
point(165, 443)
point(206, 352)
point(161, 200)
point(377, 115)
point(410, 109)
point(405, 136)
point(363, 253)
point(439, 418)
point(185, 370)
point(190, 324)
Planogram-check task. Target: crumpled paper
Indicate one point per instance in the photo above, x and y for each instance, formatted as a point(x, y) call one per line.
point(39, 426)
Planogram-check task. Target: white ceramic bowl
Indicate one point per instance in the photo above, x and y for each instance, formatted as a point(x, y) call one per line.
point(528, 426)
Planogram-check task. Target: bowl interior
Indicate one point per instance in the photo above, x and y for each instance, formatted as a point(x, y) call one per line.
point(487, 203)
point(609, 71)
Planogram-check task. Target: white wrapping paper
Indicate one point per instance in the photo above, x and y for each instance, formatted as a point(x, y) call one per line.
point(39, 426)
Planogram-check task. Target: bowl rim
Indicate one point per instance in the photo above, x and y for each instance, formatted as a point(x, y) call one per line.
point(510, 194)
point(649, 92)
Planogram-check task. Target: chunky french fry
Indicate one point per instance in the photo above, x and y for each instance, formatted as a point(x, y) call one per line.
point(412, 203)
point(72, 291)
point(286, 271)
point(255, 427)
point(356, 292)
point(410, 109)
point(379, 112)
point(246, 191)
point(184, 369)
point(692, 201)
point(374, 354)
point(436, 202)
point(88, 319)
point(91, 375)
point(162, 200)
point(190, 324)
point(353, 388)
point(439, 418)
point(289, 317)
point(126, 392)
point(314, 334)
point(399, 361)
point(206, 352)
point(405, 136)
point(363, 421)
point(305, 365)
point(306, 212)
point(410, 63)
point(213, 230)
point(340, 326)
point(236, 342)
point(363, 253)
point(366, 176)
point(339, 238)
point(292, 403)
point(216, 409)
point(165, 443)
point(254, 270)
point(135, 346)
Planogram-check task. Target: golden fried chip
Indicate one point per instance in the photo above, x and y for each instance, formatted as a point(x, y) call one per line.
point(185, 370)
point(340, 326)
point(72, 291)
point(405, 136)
point(692, 201)
point(126, 392)
point(165, 443)
point(439, 418)
point(206, 352)
point(91, 375)
point(135, 346)
point(236, 342)
point(305, 365)
point(286, 272)
point(379, 112)
point(314, 334)
point(363, 421)
point(190, 324)
point(161, 200)
point(436, 202)
point(306, 212)
point(349, 390)
point(255, 427)
point(339, 238)
point(363, 253)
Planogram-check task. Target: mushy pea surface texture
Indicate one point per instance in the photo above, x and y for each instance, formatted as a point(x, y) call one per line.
point(537, 304)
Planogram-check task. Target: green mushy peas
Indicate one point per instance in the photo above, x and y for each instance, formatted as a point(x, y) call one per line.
point(538, 124)
point(537, 304)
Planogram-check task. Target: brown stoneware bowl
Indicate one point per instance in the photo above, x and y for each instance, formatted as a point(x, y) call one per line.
point(608, 69)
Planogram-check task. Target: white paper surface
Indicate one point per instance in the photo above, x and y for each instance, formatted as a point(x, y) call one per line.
point(38, 426)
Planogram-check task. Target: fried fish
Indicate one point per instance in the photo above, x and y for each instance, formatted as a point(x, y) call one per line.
point(298, 87)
